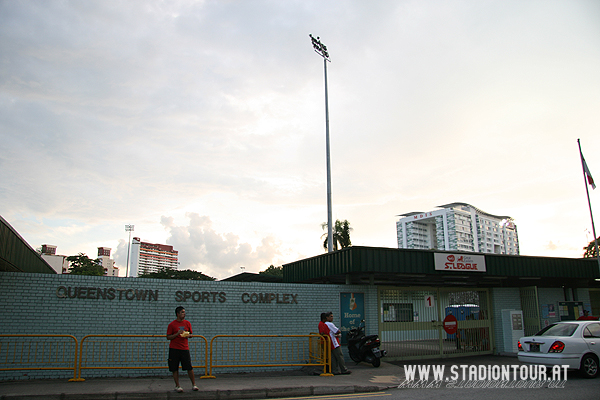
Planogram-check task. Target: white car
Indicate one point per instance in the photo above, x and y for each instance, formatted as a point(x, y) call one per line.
point(572, 343)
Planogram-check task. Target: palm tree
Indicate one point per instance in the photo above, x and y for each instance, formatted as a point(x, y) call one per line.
point(590, 249)
point(341, 234)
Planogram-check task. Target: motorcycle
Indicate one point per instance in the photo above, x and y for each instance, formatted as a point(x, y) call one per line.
point(364, 348)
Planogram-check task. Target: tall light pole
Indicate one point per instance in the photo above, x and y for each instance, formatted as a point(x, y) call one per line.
point(321, 50)
point(128, 228)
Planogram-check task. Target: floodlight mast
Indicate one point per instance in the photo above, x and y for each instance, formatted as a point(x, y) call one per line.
point(128, 228)
point(321, 50)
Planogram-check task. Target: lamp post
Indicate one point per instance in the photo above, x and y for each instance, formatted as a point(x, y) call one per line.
point(128, 228)
point(321, 50)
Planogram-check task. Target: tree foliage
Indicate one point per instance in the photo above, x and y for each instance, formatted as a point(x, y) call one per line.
point(341, 234)
point(186, 275)
point(590, 249)
point(81, 264)
point(272, 270)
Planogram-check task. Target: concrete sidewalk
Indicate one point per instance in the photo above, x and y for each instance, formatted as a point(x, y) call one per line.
point(364, 378)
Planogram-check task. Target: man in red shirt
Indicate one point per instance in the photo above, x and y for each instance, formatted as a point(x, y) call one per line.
point(323, 328)
point(178, 333)
point(326, 327)
point(586, 316)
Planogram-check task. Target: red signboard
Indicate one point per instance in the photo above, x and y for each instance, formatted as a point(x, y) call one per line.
point(450, 324)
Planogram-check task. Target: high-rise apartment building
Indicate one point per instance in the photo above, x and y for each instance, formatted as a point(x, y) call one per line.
point(61, 265)
point(151, 257)
point(57, 262)
point(460, 227)
point(107, 263)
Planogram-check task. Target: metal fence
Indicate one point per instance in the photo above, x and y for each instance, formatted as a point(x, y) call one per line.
point(38, 352)
point(244, 351)
point(105, 352)
point(411, 322)
point(135, 352)
point(530, 307)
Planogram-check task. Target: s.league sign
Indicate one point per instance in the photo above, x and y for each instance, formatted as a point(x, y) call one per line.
point(459, 262)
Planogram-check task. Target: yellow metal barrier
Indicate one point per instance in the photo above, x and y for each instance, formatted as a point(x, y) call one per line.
point(232, 351)
point(38, 352)
point(108, 351)
point(321, 350)
point(23, 352)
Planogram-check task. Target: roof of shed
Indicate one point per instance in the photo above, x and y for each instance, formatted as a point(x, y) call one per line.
point(408, 267)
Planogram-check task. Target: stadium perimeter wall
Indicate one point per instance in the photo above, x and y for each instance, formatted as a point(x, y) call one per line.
point(82, 305)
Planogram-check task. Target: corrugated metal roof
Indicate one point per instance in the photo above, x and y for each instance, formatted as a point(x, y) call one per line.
point(252, 277)
point(416, 267)
point(17, 255)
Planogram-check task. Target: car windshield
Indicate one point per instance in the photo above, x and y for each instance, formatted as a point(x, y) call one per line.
point(558, 330)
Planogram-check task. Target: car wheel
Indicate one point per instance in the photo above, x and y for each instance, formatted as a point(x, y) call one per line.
point(589, 366)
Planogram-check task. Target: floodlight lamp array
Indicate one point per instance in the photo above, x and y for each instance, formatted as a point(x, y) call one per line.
point(319, 47)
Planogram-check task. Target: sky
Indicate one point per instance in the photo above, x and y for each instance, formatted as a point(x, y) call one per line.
point(202, 123)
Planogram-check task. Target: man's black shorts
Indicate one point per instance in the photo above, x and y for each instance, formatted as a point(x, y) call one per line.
point(178, 355)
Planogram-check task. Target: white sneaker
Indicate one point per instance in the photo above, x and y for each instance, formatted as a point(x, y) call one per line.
point(178, 389)
point(195, 388)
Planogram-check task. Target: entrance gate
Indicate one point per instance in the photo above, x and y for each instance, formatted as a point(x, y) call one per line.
point(530, 307)
point(411, 322)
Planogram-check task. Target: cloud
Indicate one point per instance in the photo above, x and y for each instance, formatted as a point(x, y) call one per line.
point(118, 112)
point(120, 256)
point(219, 255)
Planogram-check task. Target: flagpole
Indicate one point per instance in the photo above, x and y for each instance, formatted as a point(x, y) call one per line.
point(587, 191)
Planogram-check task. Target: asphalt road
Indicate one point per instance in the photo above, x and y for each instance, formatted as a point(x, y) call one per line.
point(575, 387)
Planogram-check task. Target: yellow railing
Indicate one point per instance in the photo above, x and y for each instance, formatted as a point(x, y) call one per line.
point(38, 352)
point(244, 351)
point(108, 351)
point(63, 352)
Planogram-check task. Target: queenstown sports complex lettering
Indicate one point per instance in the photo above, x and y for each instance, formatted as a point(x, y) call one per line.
point(270, 298)
point(182, 296)
point(96, 293)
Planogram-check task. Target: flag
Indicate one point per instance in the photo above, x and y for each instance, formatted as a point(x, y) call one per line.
point(588, 174)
